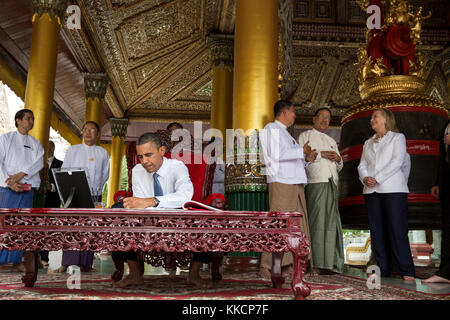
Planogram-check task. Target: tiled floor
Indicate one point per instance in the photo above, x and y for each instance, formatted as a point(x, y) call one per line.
point(417, 285)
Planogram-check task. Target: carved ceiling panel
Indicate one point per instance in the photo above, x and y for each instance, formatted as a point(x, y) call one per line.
point(157, 56)
point(150, 47)
point(148, 32)
point(306, 74)
point(346, 91)
point(436, 85)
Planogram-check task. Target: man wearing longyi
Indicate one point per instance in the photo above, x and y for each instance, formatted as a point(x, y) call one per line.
point(21, 159)
point(158, 182)
point(285, 163)
point(96, 160)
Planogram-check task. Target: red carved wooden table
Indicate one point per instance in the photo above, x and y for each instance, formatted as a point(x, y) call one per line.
point(169, 231)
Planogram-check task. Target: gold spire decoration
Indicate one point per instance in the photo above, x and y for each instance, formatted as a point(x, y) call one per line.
point(385, 79)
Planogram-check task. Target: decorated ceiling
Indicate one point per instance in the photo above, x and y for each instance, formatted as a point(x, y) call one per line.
point(156, 54)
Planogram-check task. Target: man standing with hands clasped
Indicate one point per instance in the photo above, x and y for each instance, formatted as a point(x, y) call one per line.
point(96, 160)
point(21, 159)
point(322, 196)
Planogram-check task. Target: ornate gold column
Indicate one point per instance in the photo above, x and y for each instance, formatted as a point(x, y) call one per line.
point(255, 91)
point(222, 96)
point(9, 77)
point(119, 131)
point(40, 85)
point(95, 85)
point(255, 63)
point(391, 75)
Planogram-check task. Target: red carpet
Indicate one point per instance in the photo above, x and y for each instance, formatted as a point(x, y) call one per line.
point(234, 287)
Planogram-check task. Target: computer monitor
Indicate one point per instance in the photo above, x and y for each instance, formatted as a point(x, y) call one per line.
point(73, 187)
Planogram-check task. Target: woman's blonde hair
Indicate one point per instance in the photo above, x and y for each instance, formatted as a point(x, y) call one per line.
point(391, 125)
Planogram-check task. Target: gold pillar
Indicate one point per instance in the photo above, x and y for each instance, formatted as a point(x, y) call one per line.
point(119, 131)
point(222, 84)
point(95, 85)
point(42, 68)
point(9, 77)
point(255, 63)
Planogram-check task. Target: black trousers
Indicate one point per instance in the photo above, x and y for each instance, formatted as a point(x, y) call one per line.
point(205, 257)
point(44, 255)
point(388, 222)
point(444, 268)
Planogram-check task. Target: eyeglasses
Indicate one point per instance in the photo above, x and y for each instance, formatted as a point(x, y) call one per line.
point(92, 130)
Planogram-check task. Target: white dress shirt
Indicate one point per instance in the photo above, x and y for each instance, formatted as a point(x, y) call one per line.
point(174, 178)
point(95, 159)
point(20, 153)
point(321, 169)
point(384, 162)
point(283, 156)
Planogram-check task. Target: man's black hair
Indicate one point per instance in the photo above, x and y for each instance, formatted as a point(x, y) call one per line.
point(149, 137)
point(20, 114)
point(94, 123)
point(323, 108)
point(176, 124)
point(280, 105)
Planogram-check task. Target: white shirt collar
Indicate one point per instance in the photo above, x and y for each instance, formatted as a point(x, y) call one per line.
point(84, 144)
point(280, 124)
point(162, 171)
point(317, 131)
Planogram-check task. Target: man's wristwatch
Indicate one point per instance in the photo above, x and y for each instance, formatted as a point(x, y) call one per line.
point(156, 202)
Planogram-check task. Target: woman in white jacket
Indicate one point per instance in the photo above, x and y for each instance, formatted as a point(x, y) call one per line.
point(386, 194)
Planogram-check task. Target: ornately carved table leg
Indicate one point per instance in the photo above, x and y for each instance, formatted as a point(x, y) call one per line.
point(31, 268)
point(277, 278)
point(300, 248)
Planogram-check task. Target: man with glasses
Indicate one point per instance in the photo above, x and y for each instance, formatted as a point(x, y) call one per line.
point(96, 160)
point(322, 196)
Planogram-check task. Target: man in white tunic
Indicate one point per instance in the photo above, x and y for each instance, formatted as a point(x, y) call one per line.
point(89, 155)
point(96, 160)
point(21, 159)
point(322, 196)
point(285, 162)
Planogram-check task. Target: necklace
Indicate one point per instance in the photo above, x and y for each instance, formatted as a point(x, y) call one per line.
point(377, 138)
